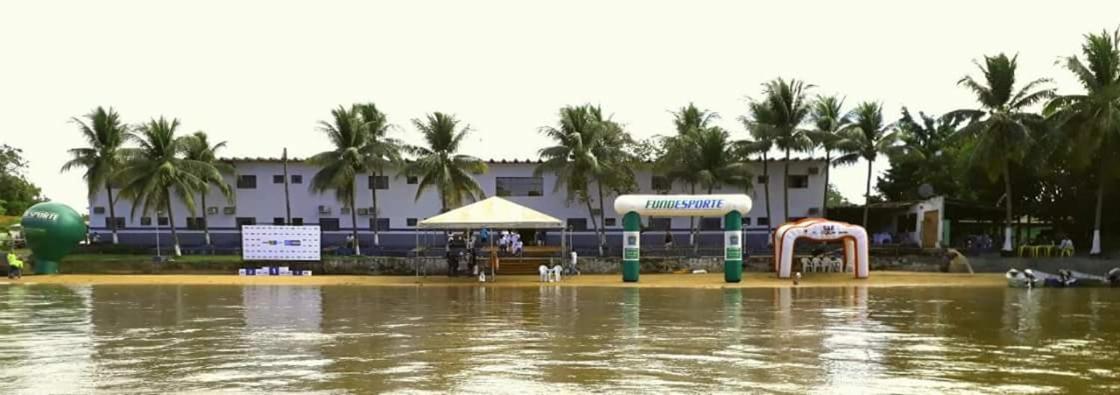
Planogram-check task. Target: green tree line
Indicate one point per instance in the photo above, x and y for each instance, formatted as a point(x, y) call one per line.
point(1021, 146)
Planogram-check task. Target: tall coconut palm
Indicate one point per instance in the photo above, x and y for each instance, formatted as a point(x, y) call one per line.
point(869, 137)
point(927, 143)
point(339, 167)
point(105, 134)
point(440, 165)
point(197, 147)
point(780, 115)
point(573, 158)
point(759, 143)
point(829, 118)
point(1002, 125)
point(158, 168)
point(682, 158)
point(1092, 119)
point(720, 162)
point(380, 151)
point(616, 162)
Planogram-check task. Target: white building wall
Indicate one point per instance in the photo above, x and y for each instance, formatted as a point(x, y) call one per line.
point(399, 203)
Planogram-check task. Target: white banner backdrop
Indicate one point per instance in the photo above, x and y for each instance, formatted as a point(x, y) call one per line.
point(280, 243)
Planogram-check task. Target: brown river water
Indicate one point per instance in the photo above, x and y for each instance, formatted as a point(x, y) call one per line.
point(352, 339)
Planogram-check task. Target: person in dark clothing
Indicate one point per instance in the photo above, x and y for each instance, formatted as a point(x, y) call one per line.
point(452, 263)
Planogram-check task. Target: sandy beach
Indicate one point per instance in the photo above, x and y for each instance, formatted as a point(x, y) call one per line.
point(715, 280)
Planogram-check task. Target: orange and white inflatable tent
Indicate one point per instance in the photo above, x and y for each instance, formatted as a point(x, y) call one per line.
point(854, 237)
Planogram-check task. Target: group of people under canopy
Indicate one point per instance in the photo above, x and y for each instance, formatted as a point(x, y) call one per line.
point(491, 213)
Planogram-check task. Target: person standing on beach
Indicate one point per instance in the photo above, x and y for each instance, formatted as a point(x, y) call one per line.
point(15, 266)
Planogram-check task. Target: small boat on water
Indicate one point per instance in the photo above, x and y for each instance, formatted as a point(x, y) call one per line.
point(1065, 278)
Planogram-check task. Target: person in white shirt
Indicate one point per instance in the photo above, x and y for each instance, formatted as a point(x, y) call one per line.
point(575, 260)
point(503, 241)
point(544, 272)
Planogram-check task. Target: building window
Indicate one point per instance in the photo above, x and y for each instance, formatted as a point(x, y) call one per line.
point(297, 179)
point(410, 222)
point(118, 220)
point(798, 181)
point(277, 220)
point(344, 211)
point(907, 223)
point(710, 223)
point(277, 178)
point(746, 221)
point(660, 183)
point(163, 221)
point(211, 211)
point(145, 221)
point(519, 186)
point(196, 223)
point(763, 179)
point(412, 180)
point(763, 221)
point(99, 210)
point(242, 221)
point(229, 210)
point(328, 223)
point(382, 224)
point(297, 221)
point(380, 182)
point(577, 224)
point(664, 223)
point(246, 182)
point(814, 170)
point(610, 222)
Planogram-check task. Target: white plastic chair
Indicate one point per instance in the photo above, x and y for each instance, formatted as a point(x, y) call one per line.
point(837, 264)
point(806, 266)
point(818, 264)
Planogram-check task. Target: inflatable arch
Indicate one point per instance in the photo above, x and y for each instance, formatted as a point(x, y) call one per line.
point(854, 238)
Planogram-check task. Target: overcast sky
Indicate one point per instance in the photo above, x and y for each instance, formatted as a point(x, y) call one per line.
point(260, 74)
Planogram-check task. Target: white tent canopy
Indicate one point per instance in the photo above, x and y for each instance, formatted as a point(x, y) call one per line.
point(492, 212)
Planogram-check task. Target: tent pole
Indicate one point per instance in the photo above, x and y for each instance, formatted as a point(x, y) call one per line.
point(416, 233)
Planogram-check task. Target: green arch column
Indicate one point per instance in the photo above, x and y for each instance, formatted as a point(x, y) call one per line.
point(733, 247)
point(631, 246)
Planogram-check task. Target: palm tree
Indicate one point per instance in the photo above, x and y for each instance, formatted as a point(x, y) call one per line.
point(829, 117)
point(440, 165)
point(573, 158)
point(339, 167)
point(197, 147)
point(927, 144)
point(1092, 119)
point(760, 142)
point(868, 137)
point(105, 134)
point(380, 152)
point(779, 116)
point(616, 162)
point(682, 158)
point(1002, 125)
point(157, 168)
point(720, 163)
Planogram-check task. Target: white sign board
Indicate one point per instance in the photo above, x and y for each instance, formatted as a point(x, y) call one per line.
point(280, 243)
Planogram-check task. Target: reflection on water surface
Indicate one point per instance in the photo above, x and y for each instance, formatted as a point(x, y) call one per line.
point(359, 339)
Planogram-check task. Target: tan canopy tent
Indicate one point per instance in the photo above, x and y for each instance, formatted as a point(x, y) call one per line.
point(494, 213)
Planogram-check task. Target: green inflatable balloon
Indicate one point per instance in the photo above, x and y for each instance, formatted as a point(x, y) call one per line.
point(52, 230)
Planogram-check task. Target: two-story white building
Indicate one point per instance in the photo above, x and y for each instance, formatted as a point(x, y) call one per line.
point(259, 198)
